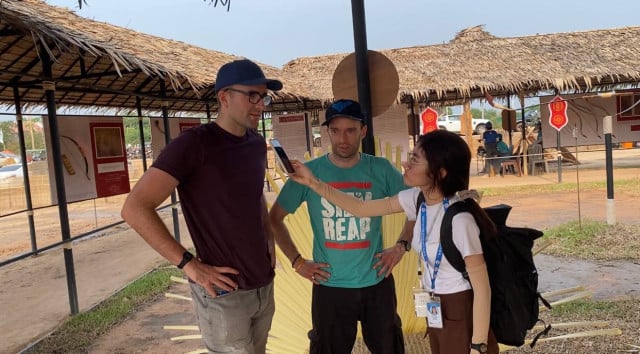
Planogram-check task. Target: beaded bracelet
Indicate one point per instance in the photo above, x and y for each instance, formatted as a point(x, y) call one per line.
point(293, 263)
point(299, 264)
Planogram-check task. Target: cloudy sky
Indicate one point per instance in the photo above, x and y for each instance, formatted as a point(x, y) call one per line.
point(276, 31)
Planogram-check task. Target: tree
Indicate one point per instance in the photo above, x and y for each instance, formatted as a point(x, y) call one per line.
point(490, 114)
point(33, 135)
point(9, 136)
point(132, 132)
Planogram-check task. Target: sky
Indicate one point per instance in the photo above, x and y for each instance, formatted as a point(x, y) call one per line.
point(276, 31)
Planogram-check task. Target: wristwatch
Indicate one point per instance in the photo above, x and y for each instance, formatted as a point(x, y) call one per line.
point(186, 258)
point(405, 244)
point(480, 347)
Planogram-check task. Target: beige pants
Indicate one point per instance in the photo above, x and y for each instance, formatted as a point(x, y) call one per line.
point(238, 322)
point(457, 317)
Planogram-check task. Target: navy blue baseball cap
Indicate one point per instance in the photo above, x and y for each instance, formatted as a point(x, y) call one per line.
point(243, 72)
point(344, 108)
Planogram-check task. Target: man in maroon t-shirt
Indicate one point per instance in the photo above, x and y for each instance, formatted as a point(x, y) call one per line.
point(218, 170)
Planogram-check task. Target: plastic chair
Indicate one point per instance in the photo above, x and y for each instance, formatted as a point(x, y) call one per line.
point(514, 163)
point(536, 157)
point(480, 155)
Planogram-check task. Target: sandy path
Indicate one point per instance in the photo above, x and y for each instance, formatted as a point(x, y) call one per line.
point(33, 298)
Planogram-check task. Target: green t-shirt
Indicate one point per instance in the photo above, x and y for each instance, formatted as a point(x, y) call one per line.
point(346, 242)
point(503, 149)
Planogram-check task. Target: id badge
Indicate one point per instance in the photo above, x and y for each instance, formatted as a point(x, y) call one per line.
point(434, 313)
point(420, 299)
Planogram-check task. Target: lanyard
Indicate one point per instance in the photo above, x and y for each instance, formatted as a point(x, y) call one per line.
point(423, 242)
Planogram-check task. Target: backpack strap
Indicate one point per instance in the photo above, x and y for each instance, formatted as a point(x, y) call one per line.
point(449, 248)
point(418, 203)
point(545, 330)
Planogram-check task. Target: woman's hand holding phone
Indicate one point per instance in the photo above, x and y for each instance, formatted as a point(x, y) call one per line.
point(281, 156)
point(302, 174)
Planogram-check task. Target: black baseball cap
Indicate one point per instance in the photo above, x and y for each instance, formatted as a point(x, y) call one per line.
point(344, 108)
point(244, 72)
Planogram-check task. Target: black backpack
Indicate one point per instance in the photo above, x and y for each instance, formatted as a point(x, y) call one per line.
point(512, 273)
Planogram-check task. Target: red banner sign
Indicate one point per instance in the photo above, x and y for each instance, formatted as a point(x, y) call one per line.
point(110, 166)
point(558, 113)
point(429, 118)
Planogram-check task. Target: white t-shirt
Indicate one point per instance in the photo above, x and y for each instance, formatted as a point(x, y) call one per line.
point(465, 236)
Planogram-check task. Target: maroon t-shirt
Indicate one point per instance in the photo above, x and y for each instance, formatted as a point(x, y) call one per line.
point(221, 180)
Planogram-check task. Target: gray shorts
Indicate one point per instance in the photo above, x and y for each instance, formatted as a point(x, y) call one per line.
point(237, 322)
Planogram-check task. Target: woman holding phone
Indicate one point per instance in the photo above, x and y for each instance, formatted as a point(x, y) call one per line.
point(438, 168)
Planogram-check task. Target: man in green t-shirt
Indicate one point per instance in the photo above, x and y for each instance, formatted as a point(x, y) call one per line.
point(350, 270)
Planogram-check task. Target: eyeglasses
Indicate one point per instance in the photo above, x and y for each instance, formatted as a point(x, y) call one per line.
point(412, 159)
point(254, 96)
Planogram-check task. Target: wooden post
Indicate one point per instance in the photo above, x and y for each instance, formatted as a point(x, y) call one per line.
point(525, 141)
point(465, 125)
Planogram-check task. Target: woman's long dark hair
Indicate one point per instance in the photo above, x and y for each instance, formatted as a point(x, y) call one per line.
point(447, 151)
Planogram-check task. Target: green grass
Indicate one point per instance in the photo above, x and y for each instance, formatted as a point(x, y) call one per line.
point(581, 241)
point(77, 333)
point(573, 234)
point(589, 239)
point(630, 186)
point(594, 240)
point(589, 309)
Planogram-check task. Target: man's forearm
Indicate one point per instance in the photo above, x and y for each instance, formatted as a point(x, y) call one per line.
point(139, 211)
point(152, 229)
point(284, 241)
point(268, 231)
point(407, 231)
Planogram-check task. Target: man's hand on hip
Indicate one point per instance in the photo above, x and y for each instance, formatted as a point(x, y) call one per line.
point(388, 258)
point(209, 276)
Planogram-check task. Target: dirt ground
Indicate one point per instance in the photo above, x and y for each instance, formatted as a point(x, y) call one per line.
point(34, 293)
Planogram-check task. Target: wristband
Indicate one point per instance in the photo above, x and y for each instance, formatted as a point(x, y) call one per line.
point(300, 262)
point(186, 258)
point(405, 244)
point(293, 263)
point(480, 347)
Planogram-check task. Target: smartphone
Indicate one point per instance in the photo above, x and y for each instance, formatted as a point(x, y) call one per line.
point(281, 156)
point(220, 291)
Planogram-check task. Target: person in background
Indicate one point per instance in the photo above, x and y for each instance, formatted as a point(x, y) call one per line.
point(490, 142)
point(439, 169)
point(219, 169)
point(502, 147)
point(504, 152)
point(350, 271)
point(538, 133)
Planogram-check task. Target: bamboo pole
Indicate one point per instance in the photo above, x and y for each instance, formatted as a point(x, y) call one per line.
point(594, 333)
point(179, 280)
point(190, 336)
point(198, 351)
point(566, 325)
point(575, 297)
point(542, 247)
point(181, 328)
point(176, 296)
point(563, 291)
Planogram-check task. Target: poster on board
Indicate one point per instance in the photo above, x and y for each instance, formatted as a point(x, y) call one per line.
point(110, 162)
point(294, 133)
point(94, 162)
point(176, 126)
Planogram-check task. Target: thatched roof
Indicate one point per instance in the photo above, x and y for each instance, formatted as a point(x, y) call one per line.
point(476, 62)
point(98, 64)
